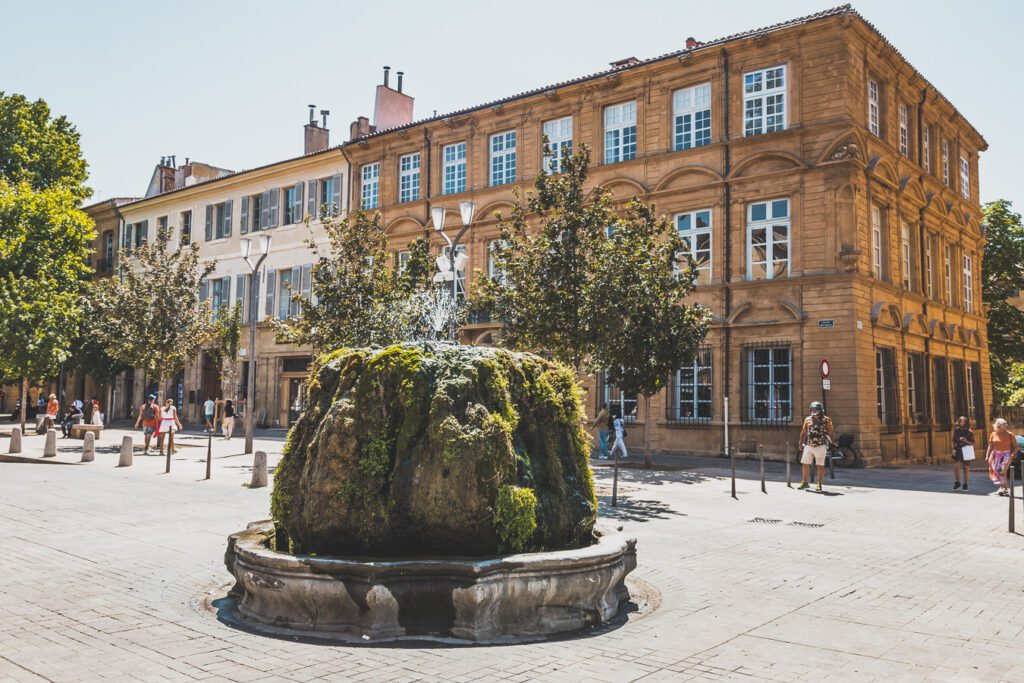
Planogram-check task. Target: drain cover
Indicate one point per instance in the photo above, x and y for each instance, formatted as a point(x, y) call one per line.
point(807, 525)
point(762, 520)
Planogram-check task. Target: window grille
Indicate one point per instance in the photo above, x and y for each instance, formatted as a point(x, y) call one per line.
point(766, 385)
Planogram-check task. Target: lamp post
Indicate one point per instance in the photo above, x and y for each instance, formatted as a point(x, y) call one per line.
point(449, 268)
point(250, 394)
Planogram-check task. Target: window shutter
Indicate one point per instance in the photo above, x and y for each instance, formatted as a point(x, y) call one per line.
point(227, 218)
point(297, 216)
point(240, 293)
point(252, 314)
point(307, 281)
point(204, 289)
point(311, 200)
point(225, 297)
point(336, 195)
point(269, 309)
point(265, 210)
point(243, 225)
point(272, 215)
point(145, 232)
point(209, 222)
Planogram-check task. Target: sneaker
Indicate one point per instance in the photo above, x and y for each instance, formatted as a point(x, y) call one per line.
point(803, 485)
point(956, 485)
point(819, 487)
point(602, 457)
point(964, 487)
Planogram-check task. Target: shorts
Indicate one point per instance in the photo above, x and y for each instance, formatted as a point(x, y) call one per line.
point(148, 430)
point(814, 453)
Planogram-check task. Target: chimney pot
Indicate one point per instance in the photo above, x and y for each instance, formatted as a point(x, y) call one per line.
point(400, 74)
point(691, 43)
point(324, 113)
point(174, 161)
point(163, 161)
point(312, 110)
point(387, 73)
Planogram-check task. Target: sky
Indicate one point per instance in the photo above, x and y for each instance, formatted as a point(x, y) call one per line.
point(228, 82)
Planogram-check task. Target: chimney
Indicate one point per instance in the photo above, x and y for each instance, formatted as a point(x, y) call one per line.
point(691, 43)
point(166, 172)
point(316, 138)
point(392, 108)
point(360, 127)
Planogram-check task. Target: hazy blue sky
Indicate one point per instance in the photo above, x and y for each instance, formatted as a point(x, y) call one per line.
point(228, 82)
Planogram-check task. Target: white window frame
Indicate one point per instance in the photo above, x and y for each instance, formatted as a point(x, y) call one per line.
point(503, 157)
point(493, 271)
point(620, 132)
point(691, 117)
point(460, 287)
point(370, 185)
point(691, 235)
point(965, 177)
point(622, 401)
point(409, 177)
point(325, 188)
point(947, 258)
point(904, 130)
point(945, 162)
point(968, 270)
point(769, 225)
point(453, 168)
point(877, 242)
point(874, 108)
point(912, 389)
point(764, 99)
point(701, 376)
point(926, 142)
point(929, 268)
point(403, 261)
point(906, 256)
point(559, 134)
point(776, 413)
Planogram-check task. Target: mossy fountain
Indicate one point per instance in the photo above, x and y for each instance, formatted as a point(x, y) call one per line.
point(433, 491)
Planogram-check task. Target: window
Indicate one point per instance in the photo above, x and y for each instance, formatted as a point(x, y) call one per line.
point(494, 271)
point(904, 130)
point(218, 220)
point(768, 240)
point(874, 108)
point(917, 400)
point(877, 239)
point(620, 132)
point(929, 272)
point(370, 190)
point(965, 178)
point(618, 401)
point(161, 226)
point(293, 204)
point(886, 390)
point(329, 199)
point(454, 168)
point(285, 288)
point(402, 261)
point(906, 256)
point(691, 111)
point(460, 282)
point(947, 267)
point(559, 135)
point(927, 148)
point(503, 158)
point(977, 398)
point(186, 227)
point(940, 391)
point(764, 101)
point(945, 162)
point(108, 246)
point(294, 280)
point(248, 309)
point(695, 231)
point(768, 384)
point(968, 283)
point(691, 393)
point(959, 387)
point(252, 211)
point(220, 294)
point(136, 234)
point(409, 177)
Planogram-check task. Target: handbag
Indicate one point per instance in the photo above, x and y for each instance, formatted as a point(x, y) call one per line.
point(968, 452)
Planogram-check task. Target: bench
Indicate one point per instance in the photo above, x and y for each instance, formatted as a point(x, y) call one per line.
point(79, 431)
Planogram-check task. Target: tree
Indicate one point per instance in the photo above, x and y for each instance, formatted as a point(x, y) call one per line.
point(227, 342)
point(360, 300)
point(152, 316)
point(89, 355)
point(1003, 278)
point(38, 150)
point(44, 239)
point(648, 329)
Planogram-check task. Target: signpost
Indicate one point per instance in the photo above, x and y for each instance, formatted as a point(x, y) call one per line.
point(826, 383)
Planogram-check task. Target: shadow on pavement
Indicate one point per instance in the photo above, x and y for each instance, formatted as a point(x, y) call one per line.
point(630, 510)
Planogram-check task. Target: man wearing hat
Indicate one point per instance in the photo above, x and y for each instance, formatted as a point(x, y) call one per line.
point(815, 437)
point(149, 417)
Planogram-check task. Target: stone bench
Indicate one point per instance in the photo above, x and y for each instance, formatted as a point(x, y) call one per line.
point(79, 431)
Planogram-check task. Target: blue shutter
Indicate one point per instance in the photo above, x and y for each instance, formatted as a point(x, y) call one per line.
point(204, 289)
point(243, 225)
point(297, 216)
point(240, 293)
point(209, 222)
point(336, 195)
point(227, 218)
point(311, 200)
point(269, 309)
point(274, 194)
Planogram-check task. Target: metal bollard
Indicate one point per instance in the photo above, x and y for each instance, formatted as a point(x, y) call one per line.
point(127, 444)
point(732, 465)
point(209, 451)
point(760, 452)
point(15, 445)
point(89, 447)
point(259, 470)
point(1009, 483)
point(789, 464)
point(50, 447)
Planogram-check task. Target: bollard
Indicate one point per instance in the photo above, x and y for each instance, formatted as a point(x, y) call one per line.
point(127, 444)
point(259, 470)
point(89, 447)
point(789, 473)
point(1009, 483)
point(209, 452)
point(50, 447)
point(760, 452)
point(15, 445)
point(732, 465)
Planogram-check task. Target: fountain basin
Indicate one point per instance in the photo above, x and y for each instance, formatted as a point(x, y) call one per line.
point(493, 599)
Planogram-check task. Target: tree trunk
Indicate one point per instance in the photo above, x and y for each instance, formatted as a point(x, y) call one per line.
point(109, 402)
point(24, 403)
point(647, 432)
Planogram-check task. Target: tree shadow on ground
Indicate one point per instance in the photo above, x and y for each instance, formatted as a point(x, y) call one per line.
point(636, 510)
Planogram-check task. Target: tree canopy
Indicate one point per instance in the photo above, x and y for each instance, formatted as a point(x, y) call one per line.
point(1003, 278)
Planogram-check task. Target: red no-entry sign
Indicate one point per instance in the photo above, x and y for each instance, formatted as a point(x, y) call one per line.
point(824, 369)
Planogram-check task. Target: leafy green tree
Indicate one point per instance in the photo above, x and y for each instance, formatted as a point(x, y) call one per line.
point(227, 342)
point(44, 239)
point(151, 317)
point(360, 298)
point(88, 354)
point(1003, 278)
point(39, 150)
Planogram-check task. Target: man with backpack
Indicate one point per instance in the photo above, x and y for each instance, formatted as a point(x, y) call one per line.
point(815, 437)
point(149, 417)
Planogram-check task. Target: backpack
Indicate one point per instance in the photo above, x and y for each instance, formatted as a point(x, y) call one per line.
point(148, 413)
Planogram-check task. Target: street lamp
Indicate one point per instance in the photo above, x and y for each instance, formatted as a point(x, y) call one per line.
point(455, 262)
point(250, 398)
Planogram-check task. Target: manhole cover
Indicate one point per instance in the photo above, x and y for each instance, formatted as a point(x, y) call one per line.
point(807, 525)
point(763, 520)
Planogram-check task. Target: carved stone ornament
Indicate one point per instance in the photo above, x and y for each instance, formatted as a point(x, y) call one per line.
point(848, 150)
point(848, 258)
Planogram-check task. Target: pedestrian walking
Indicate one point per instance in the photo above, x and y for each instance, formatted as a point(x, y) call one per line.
point(1001, 445)
point(149, 418)
point(602, 422)
point(619, 427)
point(208, 407)
point(228, 421)
point(52, 411)
point(169, 424)
point(815, 437)
point(963, 452)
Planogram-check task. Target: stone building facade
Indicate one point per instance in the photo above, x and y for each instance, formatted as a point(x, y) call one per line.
point(828, 191)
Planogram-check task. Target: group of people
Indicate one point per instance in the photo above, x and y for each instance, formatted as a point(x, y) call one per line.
point(1004, 450)
point(227, 420)
point(76, 413)
point(157, 421)
point(608, 423)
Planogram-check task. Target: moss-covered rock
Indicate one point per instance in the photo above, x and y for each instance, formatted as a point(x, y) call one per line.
point(422, 449)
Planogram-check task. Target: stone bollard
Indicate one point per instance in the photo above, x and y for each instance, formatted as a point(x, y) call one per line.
point(15, 445)
point(50, 447)
point(259, 470)
point(89, 447)
point(127, 444)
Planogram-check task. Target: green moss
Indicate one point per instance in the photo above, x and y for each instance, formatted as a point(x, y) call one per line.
point(515, 516)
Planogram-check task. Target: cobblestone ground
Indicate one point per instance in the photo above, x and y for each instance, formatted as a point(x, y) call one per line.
point(105, 575)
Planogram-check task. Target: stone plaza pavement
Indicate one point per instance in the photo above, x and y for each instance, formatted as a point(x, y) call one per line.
point(107, 574)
